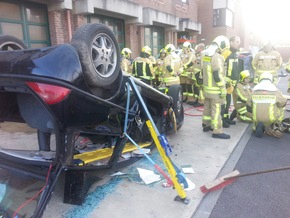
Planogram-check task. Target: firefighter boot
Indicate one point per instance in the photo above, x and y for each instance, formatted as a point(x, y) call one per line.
point(221, 136)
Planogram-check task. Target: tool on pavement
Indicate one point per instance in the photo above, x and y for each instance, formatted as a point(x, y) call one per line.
point(225, 180)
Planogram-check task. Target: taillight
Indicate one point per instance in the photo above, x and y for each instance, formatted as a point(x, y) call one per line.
point(51, 94)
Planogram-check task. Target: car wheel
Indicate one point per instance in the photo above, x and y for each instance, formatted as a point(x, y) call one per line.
point(175, 91)
point(11, 43)
point(99, 54)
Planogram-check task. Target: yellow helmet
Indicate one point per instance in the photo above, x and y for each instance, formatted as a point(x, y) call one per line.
point(187, 45)
point(244, 74)
point(266, 76)
point(169, 48)
point(147, 50)
point(126, 52)
point(222, 42)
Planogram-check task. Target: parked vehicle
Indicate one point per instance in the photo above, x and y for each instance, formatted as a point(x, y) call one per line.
point(63, 110)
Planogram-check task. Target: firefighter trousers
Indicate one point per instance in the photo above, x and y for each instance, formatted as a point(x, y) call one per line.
point(212, 114)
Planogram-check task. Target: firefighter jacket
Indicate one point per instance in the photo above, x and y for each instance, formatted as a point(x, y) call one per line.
point(198, 68)
point(188, 59)
point(213, 84)
point(241, 95)
point(126, 65)
point(267, 103)
point(159, 68)
point(143, 68)
point(269, 61)
point(172, 65)
point(153, 60)
point(233, 68)
point(197, 64)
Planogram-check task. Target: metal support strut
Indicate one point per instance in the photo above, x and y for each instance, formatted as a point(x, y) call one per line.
point(176, 176)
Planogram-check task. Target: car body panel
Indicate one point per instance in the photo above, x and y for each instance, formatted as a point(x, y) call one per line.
point(50, 116)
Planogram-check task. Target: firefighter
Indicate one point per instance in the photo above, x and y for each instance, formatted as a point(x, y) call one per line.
point(159, 67)
point(143, 67)
point(232, 75)
point(214, 87)
point(241, 95)
point(188, 59)
point(126, 62)
point(268, 107)
point(197, 76)
point(172, 66)
point(267, 60)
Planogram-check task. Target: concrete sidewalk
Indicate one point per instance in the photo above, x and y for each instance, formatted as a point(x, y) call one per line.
point(128, 196)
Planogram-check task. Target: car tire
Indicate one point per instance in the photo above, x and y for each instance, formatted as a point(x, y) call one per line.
point(99, 54)
point(8, 42)
point(175, 91)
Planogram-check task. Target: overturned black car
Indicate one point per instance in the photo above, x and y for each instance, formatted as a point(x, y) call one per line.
point(64, 109)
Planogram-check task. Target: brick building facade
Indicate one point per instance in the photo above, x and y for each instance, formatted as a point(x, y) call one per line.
point(136, 23)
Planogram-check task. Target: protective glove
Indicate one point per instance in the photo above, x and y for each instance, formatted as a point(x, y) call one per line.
point(223, 93)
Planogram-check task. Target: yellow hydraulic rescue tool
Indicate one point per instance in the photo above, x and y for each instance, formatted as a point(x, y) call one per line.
point(178, 179)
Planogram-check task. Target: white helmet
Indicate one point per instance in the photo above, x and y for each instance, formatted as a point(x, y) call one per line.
point(169, 48)
point(222, 42)
point(266, 76)
point(187, 45)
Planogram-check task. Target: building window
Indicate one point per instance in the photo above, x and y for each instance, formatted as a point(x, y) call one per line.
point(114, 24)
point(25, 21)
point(37, 25)
point(223, 17)
point(154, 38)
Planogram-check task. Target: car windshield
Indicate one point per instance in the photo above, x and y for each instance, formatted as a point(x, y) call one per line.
point(19, 194)
point(21, 184)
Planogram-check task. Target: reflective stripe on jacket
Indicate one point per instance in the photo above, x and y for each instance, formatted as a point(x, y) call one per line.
point(268, 106)
point(211, 64)
point(143, 68)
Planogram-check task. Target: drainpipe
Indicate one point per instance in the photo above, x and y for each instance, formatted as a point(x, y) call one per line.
point(69, 24)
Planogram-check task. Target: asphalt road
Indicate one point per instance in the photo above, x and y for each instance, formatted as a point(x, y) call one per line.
point(258, 196)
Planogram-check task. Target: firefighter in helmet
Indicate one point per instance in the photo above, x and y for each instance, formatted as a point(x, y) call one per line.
point(143, 67)
point(197, 76)
point(214, 87)
point(188, 59)
point(159, 67)
point(268, 105)
point(241, 94)
point(172, 65)
point(126, 62)
point(267, 60)
point(233, 69)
